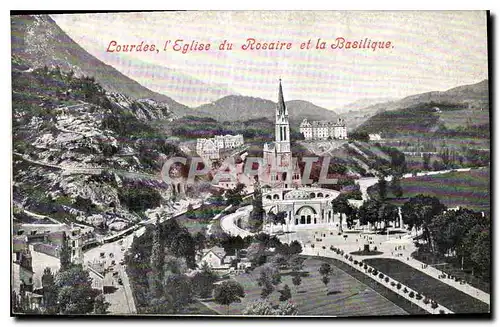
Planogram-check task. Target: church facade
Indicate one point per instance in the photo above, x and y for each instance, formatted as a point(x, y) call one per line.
point(279, 168)
point(304, 207)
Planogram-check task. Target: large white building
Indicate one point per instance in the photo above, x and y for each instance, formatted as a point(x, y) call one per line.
point(209, 148)
point(324, 130)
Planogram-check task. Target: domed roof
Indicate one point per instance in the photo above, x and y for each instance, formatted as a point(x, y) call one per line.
point(297, 194)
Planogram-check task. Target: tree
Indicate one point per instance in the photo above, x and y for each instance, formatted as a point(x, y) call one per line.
point(268, 278)
point(297, 280)
point(257, 215)
point(382, 188)
point(426, 159)
point(341, 205)
point(49, 290)
point(286, 309)
point(235, 196)
point(76, 295)
point(295, 247)
point(228, 292)
point(325, 269)
point(265, 308)
point(285, 293)
point(232, 244)
point(368, 213)
point(387, 213)
point(203, 282)
point(100, 305)
point(255, 253)
point(259, 308)
point(65, 253)
point(419, 212)
point(183, 245)
point(325, 279)
point(157, 262)
point(200, 241)
point(396, 188)
point(296, 263)
point(180, 290)
point(276, 218)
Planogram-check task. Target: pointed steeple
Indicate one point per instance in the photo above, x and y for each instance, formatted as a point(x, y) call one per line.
point(281, 108)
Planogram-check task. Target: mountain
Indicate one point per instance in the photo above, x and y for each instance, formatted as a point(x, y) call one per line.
point(463, 107)
point(237, 107)
point(39, 41)
point(177, 85)
point(82, 154)
point(363, 103)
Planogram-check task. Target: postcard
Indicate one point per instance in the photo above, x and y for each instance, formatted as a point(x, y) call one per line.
point(251, 163)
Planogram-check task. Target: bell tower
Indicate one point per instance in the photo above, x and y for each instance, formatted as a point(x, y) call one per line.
point(282, 126)
point(279, 169)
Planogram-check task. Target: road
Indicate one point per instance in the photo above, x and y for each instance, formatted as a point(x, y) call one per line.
point(121, 300)
point(90, 170)
point(228, 225)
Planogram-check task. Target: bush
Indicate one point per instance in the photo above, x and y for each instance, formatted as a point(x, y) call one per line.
point(412, 295)
point(386, 279)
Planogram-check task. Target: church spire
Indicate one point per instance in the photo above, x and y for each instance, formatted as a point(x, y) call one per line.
point(281, 108)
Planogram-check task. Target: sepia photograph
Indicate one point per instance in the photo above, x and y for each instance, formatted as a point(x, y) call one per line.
point(281, 164)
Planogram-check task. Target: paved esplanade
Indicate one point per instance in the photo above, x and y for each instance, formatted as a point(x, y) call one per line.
point(394, 247)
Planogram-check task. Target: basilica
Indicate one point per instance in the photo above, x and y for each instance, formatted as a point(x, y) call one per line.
point(280, 181)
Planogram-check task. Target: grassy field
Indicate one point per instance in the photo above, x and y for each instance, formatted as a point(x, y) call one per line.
point(347, 295)
point(426, 285)
point(458, 118)
point(467, 189)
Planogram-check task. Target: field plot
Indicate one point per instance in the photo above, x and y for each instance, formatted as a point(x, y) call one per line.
point(426, 285)
point(459, 118)
point(468, 189)
point(347, 296)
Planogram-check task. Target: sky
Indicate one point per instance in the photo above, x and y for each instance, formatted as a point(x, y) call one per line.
point(429, 51)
